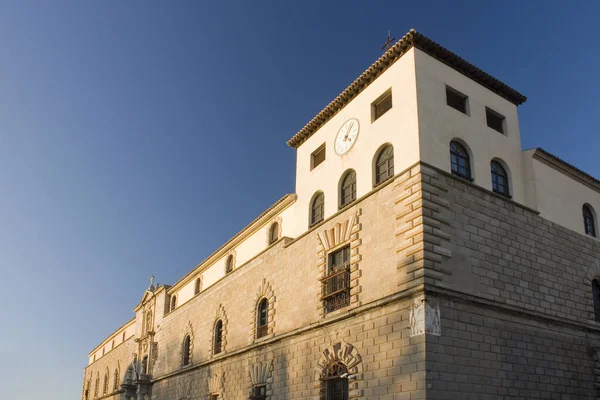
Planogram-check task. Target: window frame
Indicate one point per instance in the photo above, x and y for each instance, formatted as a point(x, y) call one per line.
point(229, 264)
point(505, 176)
point(589, 221)
point(331, 379)
point(335, 285)
point(314, 163)
point(389, 169)
point(197, 286)
point(495, 114)
point(173, 303)
point(459, 96)
point(273, 233)
point(186, 353)
point(376, 113)
point(344, 186)
point(455, 145)
point(262, 318)
point(218, 337)
point(314, 219)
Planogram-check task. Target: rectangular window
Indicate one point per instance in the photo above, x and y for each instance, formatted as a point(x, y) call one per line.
point(381, 105)
point(259, 392)
point(317, 157)
point(495, 120)
point(456, 100)
point(336, 283)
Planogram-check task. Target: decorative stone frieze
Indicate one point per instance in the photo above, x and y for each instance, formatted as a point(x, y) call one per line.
point(348, 355)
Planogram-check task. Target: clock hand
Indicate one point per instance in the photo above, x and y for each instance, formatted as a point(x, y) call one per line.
point(348, 131)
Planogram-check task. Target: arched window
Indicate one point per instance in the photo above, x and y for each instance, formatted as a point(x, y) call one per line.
point(499, 179)
point(186, 350)
point(97, 385)
point(105, 387)
point(588, 221)
point(274, 233)
point(117, 380)
point(262, 318)
point(317, 209)
point(218, 339)
point(596, 296)
point(384, 165)
point(197, 286)
point(348, 188)
point(173, 302)
point(229, 264)
point(333, 385)
point(460, 162)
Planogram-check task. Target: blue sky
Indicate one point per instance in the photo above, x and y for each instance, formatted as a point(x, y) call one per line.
point(136, 137)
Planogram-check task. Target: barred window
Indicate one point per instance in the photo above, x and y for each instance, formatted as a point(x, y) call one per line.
point(348, 188)
point(336, 283)
point(588, 221)
point(334, 382)
point(460, 162)
point(499, 179)
point(186, 350)
point(384, 165)
point(262, 318)
point(317, 209)
point(218, 339)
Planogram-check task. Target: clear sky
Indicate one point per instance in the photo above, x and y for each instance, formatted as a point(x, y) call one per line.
point(136, 137)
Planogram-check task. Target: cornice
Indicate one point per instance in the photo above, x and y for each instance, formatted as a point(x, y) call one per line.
point(393, 54)
point(568, 169)
point(242, 235)
point(112, 336)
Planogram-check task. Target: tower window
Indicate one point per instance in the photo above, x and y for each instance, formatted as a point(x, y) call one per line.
point(456, 100)
point(588, 221)
point(495, 120)
point(460, 162)
point(197, 286)
point(381, 105)
point(173, 302)
point(348, 188)
point(317, 209)
point(274, 233)
point(384, 165)
point(229, 264)
point(317, 157)
point(499, 179)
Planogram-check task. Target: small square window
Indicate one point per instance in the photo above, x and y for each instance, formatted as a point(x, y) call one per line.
point(317, 157)
point(381, 105)
point(494, 120)
point(456, 100)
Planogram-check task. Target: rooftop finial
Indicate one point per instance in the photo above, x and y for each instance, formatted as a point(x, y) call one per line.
point(388, 41)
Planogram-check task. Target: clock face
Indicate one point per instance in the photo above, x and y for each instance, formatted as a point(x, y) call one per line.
point(346, 136)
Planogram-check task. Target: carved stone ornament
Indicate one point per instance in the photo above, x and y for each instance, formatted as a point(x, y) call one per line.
point(215, 384)
point(259, 372)
point(425, 317)
point(339, 352)
point(184, 389)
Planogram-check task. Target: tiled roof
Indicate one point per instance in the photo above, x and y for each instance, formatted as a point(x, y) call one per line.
point(411, 39)
point(566, 167)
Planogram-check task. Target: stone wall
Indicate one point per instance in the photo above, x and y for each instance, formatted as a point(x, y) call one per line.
point(516, 306)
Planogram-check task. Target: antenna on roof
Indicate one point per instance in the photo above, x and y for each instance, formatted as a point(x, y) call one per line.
point(388, 41)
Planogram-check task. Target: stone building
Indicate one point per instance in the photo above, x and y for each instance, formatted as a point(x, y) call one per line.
point(423, 256)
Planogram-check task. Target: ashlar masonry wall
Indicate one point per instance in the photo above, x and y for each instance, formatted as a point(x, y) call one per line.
point(515, 300)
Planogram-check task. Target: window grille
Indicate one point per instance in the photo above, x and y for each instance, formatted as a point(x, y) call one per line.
point(336, 283)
